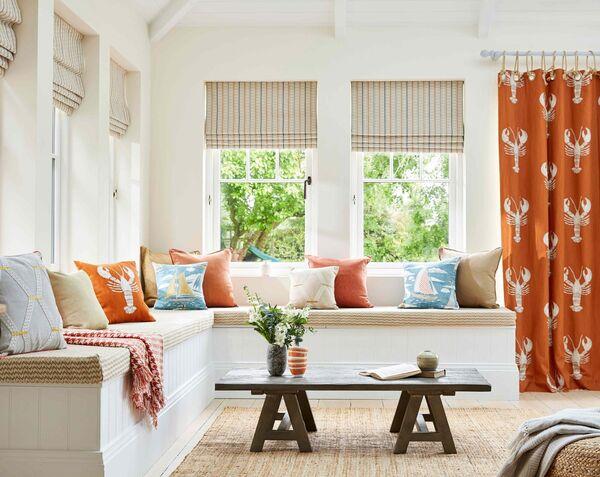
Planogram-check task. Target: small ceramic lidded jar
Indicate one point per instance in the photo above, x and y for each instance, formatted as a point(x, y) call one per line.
point(297, 360)
point(427, 361)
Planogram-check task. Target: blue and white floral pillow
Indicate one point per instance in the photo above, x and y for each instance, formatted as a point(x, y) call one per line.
point(430, 284)
point(180, 286)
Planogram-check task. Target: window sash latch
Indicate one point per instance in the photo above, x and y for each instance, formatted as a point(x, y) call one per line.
point(307, 182)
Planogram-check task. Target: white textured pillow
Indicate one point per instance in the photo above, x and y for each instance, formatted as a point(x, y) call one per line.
point(31, 321)
point(313, 287)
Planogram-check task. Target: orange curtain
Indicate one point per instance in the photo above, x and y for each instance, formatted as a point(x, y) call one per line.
point(550, 200)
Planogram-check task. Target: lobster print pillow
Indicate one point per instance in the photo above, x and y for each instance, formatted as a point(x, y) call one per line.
point(430, 284)
point(119, 291)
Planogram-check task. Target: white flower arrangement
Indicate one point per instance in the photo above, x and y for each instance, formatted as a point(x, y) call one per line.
point(280, 326)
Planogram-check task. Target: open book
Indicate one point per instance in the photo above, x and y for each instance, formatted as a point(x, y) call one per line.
point(389, 373)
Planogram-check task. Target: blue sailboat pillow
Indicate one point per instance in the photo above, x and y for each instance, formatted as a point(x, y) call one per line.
point(430, 284)
point(180, 286)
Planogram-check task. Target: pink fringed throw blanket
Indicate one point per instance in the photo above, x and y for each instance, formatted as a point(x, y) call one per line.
point(146, 356)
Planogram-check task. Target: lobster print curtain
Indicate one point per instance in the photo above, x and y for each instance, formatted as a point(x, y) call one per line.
point(550, 196)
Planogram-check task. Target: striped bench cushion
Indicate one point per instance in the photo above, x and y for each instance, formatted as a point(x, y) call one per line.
point(384, 316)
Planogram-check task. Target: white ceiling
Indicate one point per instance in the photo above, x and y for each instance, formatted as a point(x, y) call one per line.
point(483, 15)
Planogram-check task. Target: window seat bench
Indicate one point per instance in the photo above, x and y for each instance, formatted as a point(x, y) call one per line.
point(68, 411)
point(468, 338)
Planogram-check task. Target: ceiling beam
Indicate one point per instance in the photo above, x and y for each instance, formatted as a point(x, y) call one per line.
point(169, 17)
point(339, 18)
point(487, 12)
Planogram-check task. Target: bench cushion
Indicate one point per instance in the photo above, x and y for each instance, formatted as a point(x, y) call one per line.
point(94, 364)
point(383, 316)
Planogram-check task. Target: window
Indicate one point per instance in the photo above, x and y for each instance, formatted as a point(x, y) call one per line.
point(407, 205)
point(260, 203)
point(55, 177)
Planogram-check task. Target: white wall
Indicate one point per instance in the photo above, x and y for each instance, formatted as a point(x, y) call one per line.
point(187, 57)
point(112, 28)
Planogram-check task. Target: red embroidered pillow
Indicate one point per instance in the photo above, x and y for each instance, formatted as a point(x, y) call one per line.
point(350, 282)
point(119, 291)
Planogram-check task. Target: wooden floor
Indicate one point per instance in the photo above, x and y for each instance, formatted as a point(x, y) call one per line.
point(545, 402)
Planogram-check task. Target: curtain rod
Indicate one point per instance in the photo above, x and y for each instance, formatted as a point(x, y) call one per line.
point(496, 54)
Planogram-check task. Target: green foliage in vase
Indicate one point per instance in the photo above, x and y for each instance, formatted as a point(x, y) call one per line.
point(281, 326)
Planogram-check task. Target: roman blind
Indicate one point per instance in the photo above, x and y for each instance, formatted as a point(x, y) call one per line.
point(69, 64)
point(9, 15)
point(261, 114)
point(407, 116)
point(119, 112)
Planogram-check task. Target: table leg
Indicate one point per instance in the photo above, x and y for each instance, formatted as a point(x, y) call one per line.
point(267, 418)
point(293, 418)
point(400, 410)
point(408, 423)
point(307, 414)
point(299, 428)
point(436, 408)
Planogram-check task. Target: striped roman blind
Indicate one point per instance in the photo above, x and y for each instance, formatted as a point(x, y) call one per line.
point(9, 15)
point(119, 111)
point(69, 63)
point(407, 116)
point(261, 114)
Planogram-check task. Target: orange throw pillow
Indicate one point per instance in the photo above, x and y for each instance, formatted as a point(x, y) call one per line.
point(350, 285)
point(217, 286)
point(119, 291)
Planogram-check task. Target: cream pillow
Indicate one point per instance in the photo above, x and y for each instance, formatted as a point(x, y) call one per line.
point(313, 287)
point(475, 277)
point(76, 301)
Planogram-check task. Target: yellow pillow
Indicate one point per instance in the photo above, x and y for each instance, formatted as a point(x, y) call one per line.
point(76, 301)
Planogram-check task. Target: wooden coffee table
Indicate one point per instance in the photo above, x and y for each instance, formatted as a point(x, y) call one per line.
point(298, 421)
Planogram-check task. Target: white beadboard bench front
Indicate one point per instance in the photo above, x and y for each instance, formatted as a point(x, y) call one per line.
point(73, 430)
point(466, 338)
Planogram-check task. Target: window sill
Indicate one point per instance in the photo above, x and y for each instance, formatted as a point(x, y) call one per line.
point(281, 269)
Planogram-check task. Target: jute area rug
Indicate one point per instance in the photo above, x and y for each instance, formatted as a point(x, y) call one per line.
point(355, 442)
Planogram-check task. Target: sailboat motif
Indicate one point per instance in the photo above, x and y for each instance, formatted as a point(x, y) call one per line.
point(430, 285)
point(424, 288)
point(180, 287)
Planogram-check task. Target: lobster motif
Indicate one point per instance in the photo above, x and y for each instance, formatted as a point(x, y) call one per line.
point(579, 148)
point(549, 171)
point(577, 217)
point(578, 355)
point(514, 81)
point(548, 109)
point(550, 240)
point(523, 356)
point(518, 287)
point(551, 313)
point(578, 286)
point(555, 385)
point(516, 146)
point(516, 217)
point(123, 282)
point(576, 80)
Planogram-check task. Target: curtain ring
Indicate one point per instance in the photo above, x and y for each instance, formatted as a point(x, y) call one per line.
point(516, 74)
point(528, 60)
point(576, 72)
point(503, 75)
point(591, 70)
point(553, 67)
point(564, 64)
point(543, 67)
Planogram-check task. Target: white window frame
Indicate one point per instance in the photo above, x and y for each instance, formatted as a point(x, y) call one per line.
point(456, 212)
point(212, 209)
